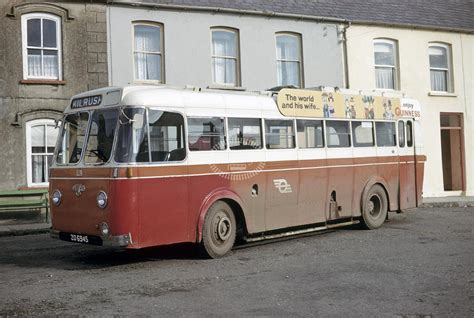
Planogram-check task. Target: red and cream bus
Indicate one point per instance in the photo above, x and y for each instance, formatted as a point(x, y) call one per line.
point(142, 166)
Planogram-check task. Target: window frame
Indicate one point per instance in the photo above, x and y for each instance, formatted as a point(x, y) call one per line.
point(29, 171)
point(394, 67)
point(267, 134)
point(235, 31)
point(306, 120)
point(161, 52)
point(449, 73)
point(261, 133)
point(24, 43)
point(299, 38)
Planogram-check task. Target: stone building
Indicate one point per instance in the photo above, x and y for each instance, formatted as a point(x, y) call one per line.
point(49, 51)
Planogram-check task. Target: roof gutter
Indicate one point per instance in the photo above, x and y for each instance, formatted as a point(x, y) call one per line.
point(268, 14)
point(412, 26)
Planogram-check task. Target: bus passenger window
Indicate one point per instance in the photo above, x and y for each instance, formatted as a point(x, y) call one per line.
point(401, 134)
point(206, 133)
point(279, 134)
point(310, 133)
point(166, 136)
point(409, 134)
point(245, 133)
point(338, 134)
point(385, 132)
point(363, 133)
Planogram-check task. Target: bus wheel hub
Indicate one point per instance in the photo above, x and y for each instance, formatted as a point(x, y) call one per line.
point(223, 228)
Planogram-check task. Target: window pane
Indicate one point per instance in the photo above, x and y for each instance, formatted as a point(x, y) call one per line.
point(132, 137)
point(49, 33)
point(224, 43)
point(72, 138)
point(166, 136)
point(288, 73)
point(34, 63)
point(409, 134)
point(206, 133)
point(101, 136)
point(438, 57)
point(33, 27)
point(386, 136)
point(50, 63)
point(401, 134)
point(245, 133)
point(384, 77)
point(439, 80)
point(224, 71)
point(147, 66)
point(38, 169)
point(338, 134)
point(147, 38)
point(51, 137)
point(310, 133)
point(384, 53)
point(363, 134)
point(38, 139)
point(279, 134)
point(288, 47)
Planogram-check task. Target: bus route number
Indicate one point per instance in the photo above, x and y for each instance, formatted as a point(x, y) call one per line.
point(79, 238)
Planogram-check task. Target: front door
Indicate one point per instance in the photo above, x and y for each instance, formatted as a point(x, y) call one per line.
point(452, 151)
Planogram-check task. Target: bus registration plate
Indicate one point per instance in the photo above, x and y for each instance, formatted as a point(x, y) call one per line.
point(79, 238)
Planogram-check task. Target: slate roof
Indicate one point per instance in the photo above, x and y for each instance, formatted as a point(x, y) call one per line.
point(434, 14)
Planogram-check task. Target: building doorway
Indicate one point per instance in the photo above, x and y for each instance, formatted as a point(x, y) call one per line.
point(452, 151)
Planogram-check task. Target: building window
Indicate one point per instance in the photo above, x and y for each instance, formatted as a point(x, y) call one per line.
point(386, 68)
point(289, 59)
point(440, 67)
point(225, 57)
point(148, 52)
point(41, 138)
point(41, 41)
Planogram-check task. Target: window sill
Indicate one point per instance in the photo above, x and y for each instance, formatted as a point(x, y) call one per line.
point(442, 94)
point(225, 87)
point(41, 82)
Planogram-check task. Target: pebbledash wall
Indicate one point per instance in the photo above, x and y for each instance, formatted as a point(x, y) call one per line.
point(186, 45)
point(413, 67)
point(30, 100)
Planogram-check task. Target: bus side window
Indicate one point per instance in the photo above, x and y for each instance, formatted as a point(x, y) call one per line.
point(338, 133)
point(409, 134)
point(363, 133)
point(385, 132)
point(401, 134)
point(245, 133)
point(206, 133)
point(279, 134)
point(166, 136)
point(310, 133)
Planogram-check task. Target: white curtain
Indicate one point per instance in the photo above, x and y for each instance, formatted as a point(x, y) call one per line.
point(224, 61)
point(50, 64)
point(288, 73)
point(224, 70)
point(384, 77)
point(439, 81)
point(44, 66)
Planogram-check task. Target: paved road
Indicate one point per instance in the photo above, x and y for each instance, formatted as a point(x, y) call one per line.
point(419, 264)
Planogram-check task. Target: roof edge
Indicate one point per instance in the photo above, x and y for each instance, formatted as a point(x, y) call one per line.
point(412, 26)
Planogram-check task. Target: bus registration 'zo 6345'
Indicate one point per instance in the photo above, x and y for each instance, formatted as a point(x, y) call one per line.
point(161, 165)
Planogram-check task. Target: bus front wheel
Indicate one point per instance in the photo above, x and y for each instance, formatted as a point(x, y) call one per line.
point(375, 208)
point(219, 230)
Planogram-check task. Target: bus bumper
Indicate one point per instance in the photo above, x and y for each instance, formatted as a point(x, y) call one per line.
point(112, 241)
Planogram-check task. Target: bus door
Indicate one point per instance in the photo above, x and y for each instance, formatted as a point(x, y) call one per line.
point(407, 185)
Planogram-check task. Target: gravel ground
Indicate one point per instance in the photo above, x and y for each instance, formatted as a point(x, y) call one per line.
point(419, 264)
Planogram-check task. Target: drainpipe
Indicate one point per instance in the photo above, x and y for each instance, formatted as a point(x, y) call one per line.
point(342, 28)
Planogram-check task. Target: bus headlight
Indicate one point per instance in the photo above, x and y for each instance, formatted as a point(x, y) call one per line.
point(104, 229)
point(102, 200)
point(57, 197)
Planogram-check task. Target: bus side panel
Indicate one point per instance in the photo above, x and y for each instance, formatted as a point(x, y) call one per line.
point(365, 169)
point(388, 170)
point(124, 217)
point(341, 174)
point(420, 168)
point(408, 189)
point(163, 210)
point(312, 202)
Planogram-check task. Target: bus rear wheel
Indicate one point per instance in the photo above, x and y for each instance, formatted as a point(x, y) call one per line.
point(219, 230)
point(375, 208)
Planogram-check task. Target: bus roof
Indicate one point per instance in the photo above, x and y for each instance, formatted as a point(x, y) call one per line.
point(326, 102)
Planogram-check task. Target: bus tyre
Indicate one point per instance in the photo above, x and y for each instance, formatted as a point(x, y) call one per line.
point(375, 208)
point(219, 230)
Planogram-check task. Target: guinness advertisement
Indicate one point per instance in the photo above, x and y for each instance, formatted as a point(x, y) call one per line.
point(87, 101)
